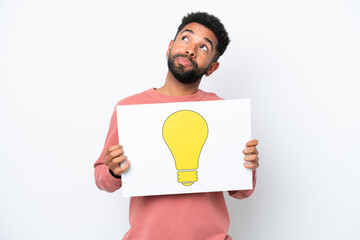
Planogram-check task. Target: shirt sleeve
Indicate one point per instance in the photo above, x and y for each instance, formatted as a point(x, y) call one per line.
point(241, 194)
point(103, 178)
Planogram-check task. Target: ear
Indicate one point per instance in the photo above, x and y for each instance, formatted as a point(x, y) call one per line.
point(213, 67)
point(169, 48)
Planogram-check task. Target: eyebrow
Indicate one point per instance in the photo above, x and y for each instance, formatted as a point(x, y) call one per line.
point(192, 32)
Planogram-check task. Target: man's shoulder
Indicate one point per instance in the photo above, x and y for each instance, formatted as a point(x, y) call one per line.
point(211, 96)
point(151, 96)
point(138, 98)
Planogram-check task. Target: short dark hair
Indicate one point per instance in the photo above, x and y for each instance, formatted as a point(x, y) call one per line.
point(211, 22)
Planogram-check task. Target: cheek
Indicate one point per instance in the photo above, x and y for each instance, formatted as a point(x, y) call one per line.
point(174, 50)
point(207, 62)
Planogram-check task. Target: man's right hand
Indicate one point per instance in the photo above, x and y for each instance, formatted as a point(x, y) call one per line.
point(114, 156)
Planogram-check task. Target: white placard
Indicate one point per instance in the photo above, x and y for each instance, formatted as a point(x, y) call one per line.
point(185, 147)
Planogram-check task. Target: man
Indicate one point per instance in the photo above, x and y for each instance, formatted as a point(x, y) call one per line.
point(201, 39)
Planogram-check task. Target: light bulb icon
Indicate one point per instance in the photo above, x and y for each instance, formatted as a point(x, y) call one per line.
point(185, 133)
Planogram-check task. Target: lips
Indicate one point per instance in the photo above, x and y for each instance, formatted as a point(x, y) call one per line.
point(184, 61)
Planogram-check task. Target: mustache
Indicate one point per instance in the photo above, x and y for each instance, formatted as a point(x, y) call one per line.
point(185, 56)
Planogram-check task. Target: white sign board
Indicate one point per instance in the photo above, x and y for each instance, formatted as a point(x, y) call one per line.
point(185, 147)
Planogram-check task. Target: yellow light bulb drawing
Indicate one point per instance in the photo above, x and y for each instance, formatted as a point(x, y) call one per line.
point(185, 133)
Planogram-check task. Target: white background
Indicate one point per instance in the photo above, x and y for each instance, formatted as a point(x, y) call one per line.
point(65, 64)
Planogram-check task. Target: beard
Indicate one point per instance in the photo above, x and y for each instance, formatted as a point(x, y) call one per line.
point(182, 75)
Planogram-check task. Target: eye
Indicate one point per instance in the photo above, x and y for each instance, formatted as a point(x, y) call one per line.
point(203, 47)
point(185, 38)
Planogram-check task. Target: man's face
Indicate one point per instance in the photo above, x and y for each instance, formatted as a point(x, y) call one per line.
point(191, 54)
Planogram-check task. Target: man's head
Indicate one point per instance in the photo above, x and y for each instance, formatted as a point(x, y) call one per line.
point(211, 22)
point(200, 40)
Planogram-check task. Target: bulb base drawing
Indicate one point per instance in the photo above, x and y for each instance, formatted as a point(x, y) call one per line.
point(187, 178)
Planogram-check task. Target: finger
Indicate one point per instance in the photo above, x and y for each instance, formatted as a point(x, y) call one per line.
point(251, 165)
point(116, 153)
point(117, 161)
point(115, 147)
point(109, 150)
point(119, 170)
point(112, 148)
point(252, 157)
point(250, 150)
point(252, 143)
point(125, 167)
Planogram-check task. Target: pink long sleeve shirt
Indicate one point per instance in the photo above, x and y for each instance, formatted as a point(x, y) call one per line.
point(197, 216)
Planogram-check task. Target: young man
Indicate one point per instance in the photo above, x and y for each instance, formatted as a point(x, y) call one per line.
point(201, 39)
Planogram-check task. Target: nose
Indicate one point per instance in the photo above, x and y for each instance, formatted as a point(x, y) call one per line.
point(190, 51)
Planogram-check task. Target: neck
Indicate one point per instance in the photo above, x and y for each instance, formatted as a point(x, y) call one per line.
point(173, 87)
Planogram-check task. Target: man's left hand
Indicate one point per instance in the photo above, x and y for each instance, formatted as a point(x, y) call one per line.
point(251, 155)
